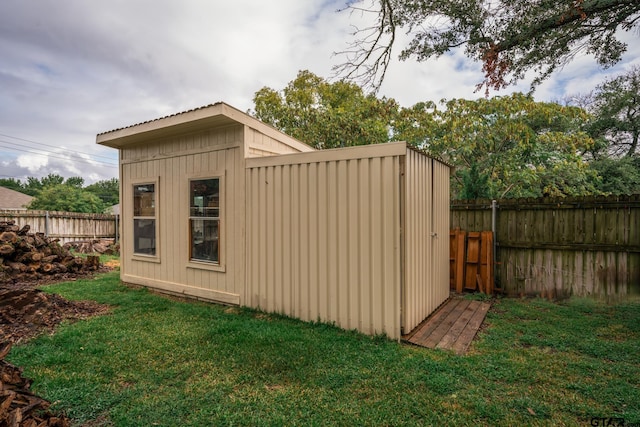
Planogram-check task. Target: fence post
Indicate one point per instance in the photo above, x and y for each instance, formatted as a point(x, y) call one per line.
point(46, 223)
point(117, 236)
point(494, 230)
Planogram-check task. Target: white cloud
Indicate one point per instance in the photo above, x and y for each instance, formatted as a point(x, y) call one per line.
point(71, 69)
point(33, 163)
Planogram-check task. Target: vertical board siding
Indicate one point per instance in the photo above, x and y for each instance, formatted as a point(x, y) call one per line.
point(575, 246)
point(323, 241)
point(65, 226)
point(261, 145)
point(426, 237)
point(171, 164)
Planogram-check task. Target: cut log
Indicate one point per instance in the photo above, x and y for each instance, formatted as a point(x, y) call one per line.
point(12, 228)
point(92, 261)
point(73, 263)
point(25, 256)
point(9, 236)
point(31, 256)
point(6, 249)
point(47, 267)
point(49, 258)
point(18, 405)
point(17, 266)
point(40, 240)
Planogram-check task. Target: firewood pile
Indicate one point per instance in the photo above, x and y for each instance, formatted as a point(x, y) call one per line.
point(19, 407)
point(28, 256)
point(100, 246)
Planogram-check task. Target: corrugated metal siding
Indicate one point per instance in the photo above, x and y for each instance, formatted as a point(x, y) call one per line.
point(442, 218)
point(426, 233)
point(323, 238)
point(205, 154)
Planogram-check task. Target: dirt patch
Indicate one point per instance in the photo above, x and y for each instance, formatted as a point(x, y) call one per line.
point(26, 312)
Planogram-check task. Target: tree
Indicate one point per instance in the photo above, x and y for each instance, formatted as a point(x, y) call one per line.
point(509, 38)
point(35, 185)
point(12, 183)
point(615, 106)
point(74, 181)
point(507, 146)
point(107, 190)
point(325, 115)
point(617, 176)
point(67, 198)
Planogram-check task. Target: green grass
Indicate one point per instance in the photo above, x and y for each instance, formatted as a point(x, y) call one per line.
point(158, 361)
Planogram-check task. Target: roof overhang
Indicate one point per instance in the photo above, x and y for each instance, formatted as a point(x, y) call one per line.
point(199, 119)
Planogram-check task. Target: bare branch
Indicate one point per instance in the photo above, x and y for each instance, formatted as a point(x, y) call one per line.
point(369, 56)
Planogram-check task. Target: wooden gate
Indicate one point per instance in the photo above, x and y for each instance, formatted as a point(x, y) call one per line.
point(471, 261)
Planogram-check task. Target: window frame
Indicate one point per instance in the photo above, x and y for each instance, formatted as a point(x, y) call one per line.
point(204, 264)
point(156, 217)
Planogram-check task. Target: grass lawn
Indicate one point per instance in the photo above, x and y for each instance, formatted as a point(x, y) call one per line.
point(157, 361)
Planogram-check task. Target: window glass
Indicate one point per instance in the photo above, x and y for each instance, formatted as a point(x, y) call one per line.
point(144, 221)
point(204, 220)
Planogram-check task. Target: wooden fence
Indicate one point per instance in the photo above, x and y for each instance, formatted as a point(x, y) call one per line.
point(66, 226)
point(571, 246)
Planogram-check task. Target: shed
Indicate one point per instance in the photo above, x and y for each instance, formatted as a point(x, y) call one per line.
point(219, 206)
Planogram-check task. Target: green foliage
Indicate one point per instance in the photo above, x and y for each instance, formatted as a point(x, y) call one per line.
point(510, 38)
point(325, 115)
point(617, 176)
point(615, 106)
point(35, 185)
point(75, 181)
point(475, 185)
point(55, 193)
point(158, 361)
point(67, 198)
point(509, 146)
point(106, 190)
point(12, 184)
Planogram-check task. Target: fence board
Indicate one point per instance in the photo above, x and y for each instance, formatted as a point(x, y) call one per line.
point(66, 226)
point(579, 246)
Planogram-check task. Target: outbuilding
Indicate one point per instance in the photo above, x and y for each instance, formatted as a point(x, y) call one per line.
point(217, 205)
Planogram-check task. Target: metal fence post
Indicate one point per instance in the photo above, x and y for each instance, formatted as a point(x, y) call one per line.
point(494, 230)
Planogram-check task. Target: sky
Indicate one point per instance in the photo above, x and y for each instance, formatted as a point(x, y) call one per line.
point(70, 69)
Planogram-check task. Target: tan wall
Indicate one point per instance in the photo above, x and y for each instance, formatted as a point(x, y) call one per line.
point(261, 145)
point(183, 145)
point(323, 236)
point(170, 163)
point(426, 235)
point(441, 203)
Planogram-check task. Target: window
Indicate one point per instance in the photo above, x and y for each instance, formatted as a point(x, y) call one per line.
point(204, 220)
point(144, 219)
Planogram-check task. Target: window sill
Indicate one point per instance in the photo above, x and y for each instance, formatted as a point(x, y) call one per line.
point(146, 258)
point(203, 265)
